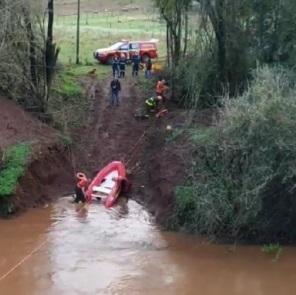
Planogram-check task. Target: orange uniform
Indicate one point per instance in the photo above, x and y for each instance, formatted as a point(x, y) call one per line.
point(80, 188)
point(161, 88)
point(82, 183)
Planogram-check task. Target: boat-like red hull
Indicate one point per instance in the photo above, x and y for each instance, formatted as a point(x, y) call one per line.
point(105, 186)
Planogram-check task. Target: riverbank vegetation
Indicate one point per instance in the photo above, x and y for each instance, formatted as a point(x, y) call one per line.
point(14, 161)
point(13, 164)
point(28, 54)
point(240, 176)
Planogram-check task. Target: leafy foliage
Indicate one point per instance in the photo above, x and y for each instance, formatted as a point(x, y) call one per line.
point(68, 104)
point(15, 160)
point(24, 63)
point(232, 38)
point(241, 184)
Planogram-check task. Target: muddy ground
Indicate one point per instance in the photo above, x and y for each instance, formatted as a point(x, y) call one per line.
point(153, 156)
point(113, 133)
point(17, 126)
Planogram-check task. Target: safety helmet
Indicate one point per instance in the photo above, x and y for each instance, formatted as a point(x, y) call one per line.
point(80, 176)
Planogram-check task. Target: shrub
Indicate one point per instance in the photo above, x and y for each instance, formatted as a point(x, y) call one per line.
point(241, 184)
point(15, 160)
point(68, 104)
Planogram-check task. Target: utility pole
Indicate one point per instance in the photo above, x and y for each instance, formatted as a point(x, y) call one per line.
point(78, 32)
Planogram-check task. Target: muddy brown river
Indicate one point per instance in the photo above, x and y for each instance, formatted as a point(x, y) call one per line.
point(121, 251)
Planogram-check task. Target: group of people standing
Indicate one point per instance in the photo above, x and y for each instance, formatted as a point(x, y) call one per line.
point(119, 66)
point(118, 70)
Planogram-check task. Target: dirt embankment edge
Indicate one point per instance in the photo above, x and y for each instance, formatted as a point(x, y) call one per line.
point(48, 175)
point(49, 171)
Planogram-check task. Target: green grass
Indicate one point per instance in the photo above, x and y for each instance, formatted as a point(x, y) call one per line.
point(66, 85)
point(77, 71)
point(102, 30)
point(15, 160)
point(68, 101)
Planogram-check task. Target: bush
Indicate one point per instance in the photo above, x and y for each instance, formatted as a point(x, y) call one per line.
point(15, 160)
point(68, 104)
point(193, 80)
point(241, 184)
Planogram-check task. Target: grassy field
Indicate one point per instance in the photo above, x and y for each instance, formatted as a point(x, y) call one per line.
point(103, 23)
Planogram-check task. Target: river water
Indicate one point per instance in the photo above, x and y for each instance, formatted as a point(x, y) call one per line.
point(56, 250)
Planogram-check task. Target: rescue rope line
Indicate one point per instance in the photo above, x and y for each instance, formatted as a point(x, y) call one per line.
point(28, 256)
point(135, 147)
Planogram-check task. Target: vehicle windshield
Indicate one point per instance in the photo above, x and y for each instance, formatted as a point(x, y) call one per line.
point(116, 45)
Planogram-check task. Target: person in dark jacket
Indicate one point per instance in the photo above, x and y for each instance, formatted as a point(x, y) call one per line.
point(122, 63)
point(115, 67)
point(115, 89)
point(136, 64)
point(148, 68)
point(125, 185)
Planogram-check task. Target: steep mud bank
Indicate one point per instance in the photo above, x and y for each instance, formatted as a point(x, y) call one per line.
point(48, 173)
point(17, 126)
point(167, 158)
point(165, 165)
point(48, 176)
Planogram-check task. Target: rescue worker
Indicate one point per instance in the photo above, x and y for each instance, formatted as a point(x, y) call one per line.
point(122, 63)
point(115, 67)
point(80, 188)
point(135, 65)
point(115, 89)
point(151, 105)
point(161, 89)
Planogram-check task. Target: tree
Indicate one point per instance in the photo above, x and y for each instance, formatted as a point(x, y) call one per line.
point(27, 54)
point(52, 51)
point(175, 13)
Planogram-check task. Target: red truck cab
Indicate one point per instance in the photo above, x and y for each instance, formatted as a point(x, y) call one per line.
point(145, 49)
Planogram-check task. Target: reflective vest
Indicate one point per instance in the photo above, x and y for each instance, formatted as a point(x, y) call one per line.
point(151, 102)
